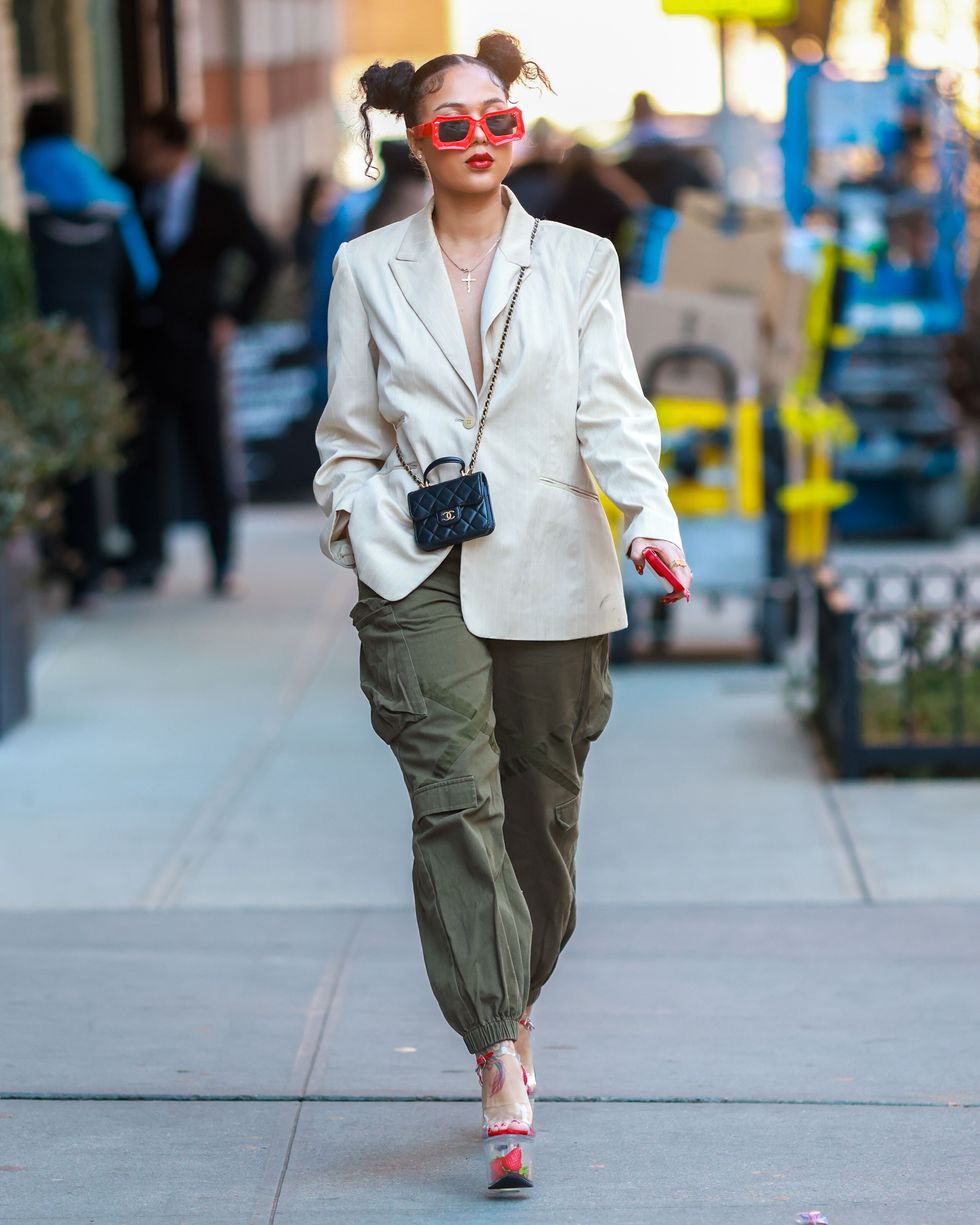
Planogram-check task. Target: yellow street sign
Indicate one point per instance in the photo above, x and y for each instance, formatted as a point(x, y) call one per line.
point(766, 12)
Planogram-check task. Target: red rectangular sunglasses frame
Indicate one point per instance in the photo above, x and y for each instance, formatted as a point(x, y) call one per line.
point(431, 129)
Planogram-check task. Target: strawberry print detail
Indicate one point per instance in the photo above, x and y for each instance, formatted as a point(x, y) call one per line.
point(510, 1163)
point(513, 1160)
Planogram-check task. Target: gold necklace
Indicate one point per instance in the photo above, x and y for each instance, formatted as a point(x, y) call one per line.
point(466, 278)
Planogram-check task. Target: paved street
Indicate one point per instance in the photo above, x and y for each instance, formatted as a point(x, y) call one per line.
point(213, 1003)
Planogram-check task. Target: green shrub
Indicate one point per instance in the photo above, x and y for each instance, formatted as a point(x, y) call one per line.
point(16, 278)
point(62, 415)
point(16, 475)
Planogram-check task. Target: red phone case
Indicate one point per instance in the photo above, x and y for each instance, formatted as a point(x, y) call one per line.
point(659, 566)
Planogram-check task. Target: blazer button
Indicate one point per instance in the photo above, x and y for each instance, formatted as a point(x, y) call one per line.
point(469, 421)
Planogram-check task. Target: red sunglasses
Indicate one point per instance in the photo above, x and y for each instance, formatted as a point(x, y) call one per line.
point(457, 131)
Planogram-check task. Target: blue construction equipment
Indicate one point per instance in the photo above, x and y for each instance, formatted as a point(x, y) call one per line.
point(884, 162)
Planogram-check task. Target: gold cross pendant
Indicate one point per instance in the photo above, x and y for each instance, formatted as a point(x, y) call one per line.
point(467, 280)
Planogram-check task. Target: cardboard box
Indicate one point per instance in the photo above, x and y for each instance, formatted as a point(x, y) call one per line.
point(658, 318)
point(712, 209)
point(703, 257)
point(729, 289)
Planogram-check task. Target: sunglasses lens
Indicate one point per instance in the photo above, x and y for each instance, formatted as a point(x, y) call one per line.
point(450, 131)
point(502, 125)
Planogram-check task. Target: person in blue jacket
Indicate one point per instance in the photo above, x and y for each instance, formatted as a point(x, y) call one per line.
point(87, 241)
point(60, 176)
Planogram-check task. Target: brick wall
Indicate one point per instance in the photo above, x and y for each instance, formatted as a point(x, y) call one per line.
point(256, 74)
point(10, 197)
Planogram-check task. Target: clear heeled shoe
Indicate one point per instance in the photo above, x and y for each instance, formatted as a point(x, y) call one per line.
point(529, 1077)
point(508, 1139)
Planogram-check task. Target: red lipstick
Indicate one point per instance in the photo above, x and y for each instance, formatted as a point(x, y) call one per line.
point(480, 161)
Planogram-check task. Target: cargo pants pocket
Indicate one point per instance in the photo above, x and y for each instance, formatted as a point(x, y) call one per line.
point(388, 677)
point(565, 834)
point(445, 795)
point(566, 816)
point(599, 691)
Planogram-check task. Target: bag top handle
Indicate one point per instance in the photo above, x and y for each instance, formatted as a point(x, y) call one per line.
point(446, 459)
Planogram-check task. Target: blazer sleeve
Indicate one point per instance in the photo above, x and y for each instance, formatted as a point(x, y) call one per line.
point(352, 438)
point(617, 426)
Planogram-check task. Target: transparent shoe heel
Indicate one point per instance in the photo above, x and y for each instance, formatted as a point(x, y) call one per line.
point(509, 1160)
point(530, 1080)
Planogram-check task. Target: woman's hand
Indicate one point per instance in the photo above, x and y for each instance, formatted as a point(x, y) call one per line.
point(669, 552)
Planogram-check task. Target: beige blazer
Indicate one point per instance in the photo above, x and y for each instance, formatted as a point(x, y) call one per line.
point(567, 401)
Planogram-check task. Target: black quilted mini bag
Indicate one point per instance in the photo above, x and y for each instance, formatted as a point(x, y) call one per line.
point(448, 512)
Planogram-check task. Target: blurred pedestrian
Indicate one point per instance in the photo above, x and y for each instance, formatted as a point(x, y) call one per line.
point(584, 199)
point(484, 650)
point(646, 126)
point(85, 237)
point(664, 169)
point(404, 189)
point(536, 179)
point(343, 218)
point(195, 221)
point(662, 164)
point(312, 204)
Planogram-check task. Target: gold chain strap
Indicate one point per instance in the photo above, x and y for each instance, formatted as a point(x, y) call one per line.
point(493, 379)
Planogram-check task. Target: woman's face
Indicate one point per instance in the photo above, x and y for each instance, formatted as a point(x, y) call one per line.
point(466, 89)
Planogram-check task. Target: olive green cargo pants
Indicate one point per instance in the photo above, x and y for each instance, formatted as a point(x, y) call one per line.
point(491, 736)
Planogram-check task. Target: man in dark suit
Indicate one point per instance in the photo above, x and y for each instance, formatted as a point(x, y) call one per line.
point(195, 222)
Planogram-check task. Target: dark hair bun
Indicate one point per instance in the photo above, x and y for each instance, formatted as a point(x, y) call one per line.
point(387, 87)
point(502, 54)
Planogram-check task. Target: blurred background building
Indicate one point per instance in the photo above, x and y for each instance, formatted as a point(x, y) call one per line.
point(258, 77)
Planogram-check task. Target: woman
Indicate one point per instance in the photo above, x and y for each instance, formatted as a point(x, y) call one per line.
point(486, 663)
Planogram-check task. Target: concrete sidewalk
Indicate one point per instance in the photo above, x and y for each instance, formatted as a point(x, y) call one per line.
point(213, 1003)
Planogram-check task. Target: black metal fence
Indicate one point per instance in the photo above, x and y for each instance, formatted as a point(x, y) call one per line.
point(898, 669)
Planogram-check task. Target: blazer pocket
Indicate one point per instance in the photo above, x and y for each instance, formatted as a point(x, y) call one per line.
point(388, 677)
point(582, 493)
point(394, 464)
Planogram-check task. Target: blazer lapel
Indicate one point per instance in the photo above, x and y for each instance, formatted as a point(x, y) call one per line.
point(513, 253)
point(421, 275)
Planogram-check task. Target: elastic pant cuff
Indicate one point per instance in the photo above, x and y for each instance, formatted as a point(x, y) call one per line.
point(481, 1036)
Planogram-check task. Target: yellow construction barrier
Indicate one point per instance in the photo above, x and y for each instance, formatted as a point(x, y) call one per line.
point(812, 429)
point(732, 473)
point(743, 493)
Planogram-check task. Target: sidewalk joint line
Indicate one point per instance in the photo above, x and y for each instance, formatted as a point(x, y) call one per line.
point(839, 822)
point(408, 1098)
point(205, 826)
point(338, 982)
